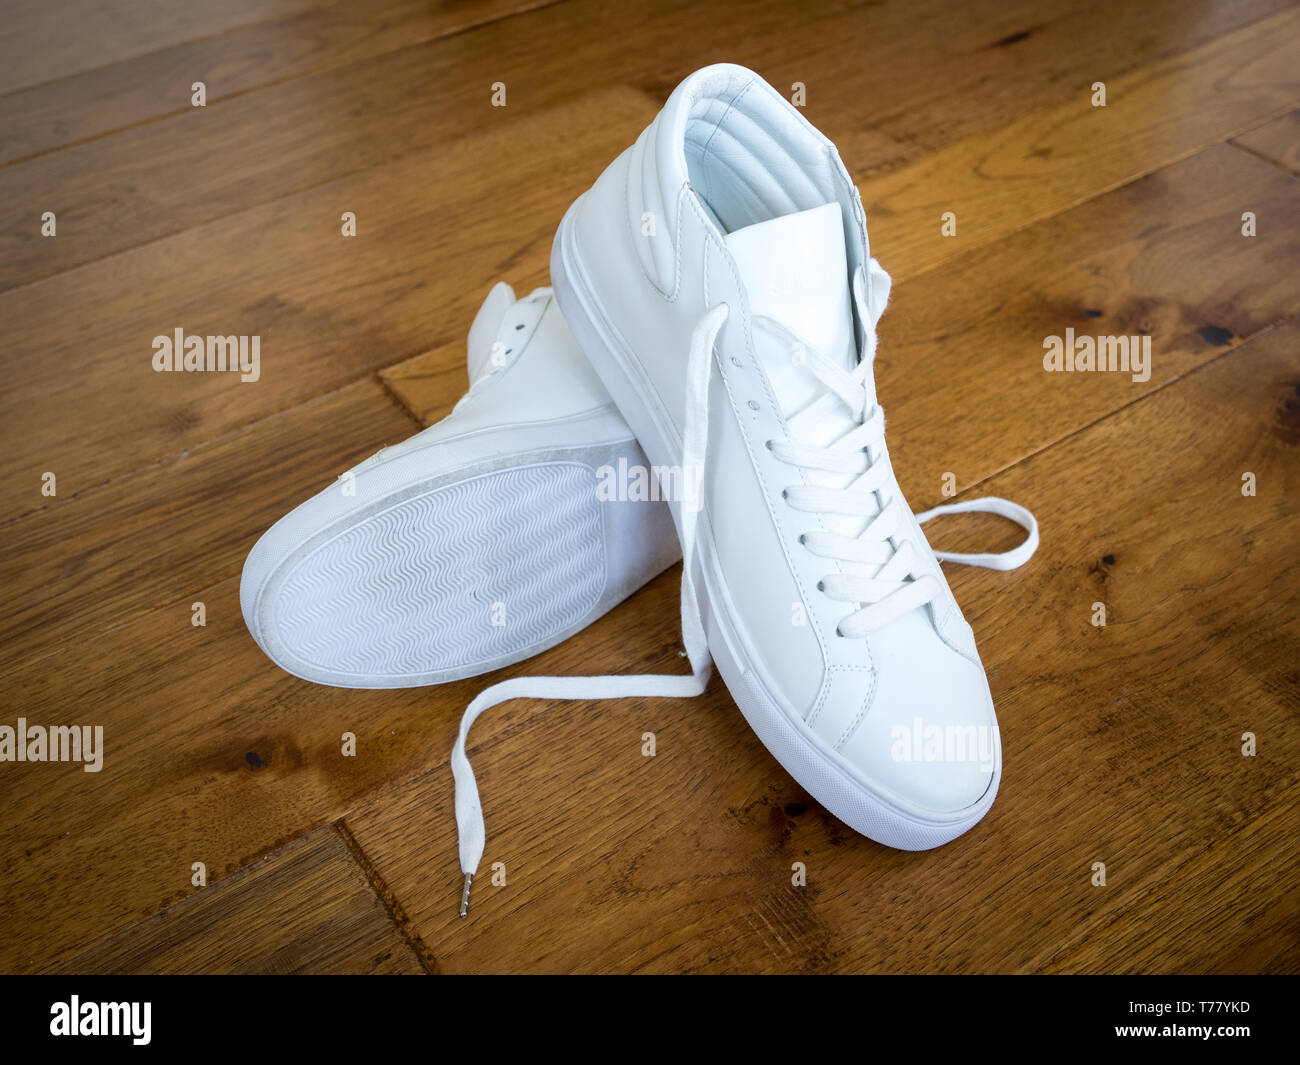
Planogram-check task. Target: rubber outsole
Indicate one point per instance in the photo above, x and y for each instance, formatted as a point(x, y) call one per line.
point(453, 575)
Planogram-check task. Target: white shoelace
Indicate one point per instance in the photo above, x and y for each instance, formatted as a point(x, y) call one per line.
point(891, 591)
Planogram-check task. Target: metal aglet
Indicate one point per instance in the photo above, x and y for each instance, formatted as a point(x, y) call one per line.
point(464, 895)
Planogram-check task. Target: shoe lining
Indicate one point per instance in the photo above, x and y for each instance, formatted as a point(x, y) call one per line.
point(750, 161)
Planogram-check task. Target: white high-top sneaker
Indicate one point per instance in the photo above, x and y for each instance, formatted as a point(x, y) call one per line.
point(718, 277)
point(478, 542)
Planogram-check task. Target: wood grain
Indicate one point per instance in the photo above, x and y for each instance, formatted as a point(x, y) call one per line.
point(327, 308)
point(158, 83)
point(211, 753)
point(1034, 168)
point(1163, 256)
point(157, 538)
point(426, 383)
point(949, 75)
point(305, 909)
point(1230, 908)
point(39, 43)
point(1055, 158)
point(1277, 141)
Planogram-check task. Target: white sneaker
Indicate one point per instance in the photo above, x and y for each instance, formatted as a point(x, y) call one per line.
point(474, 544)
point(718, 277)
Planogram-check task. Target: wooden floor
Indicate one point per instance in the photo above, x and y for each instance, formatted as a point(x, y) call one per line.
point(1123, 743)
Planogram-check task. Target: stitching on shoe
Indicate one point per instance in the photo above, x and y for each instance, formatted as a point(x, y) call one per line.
point(677, 240)
point(946, 621)
point(776, 528)
point(751, 350)
point(711, 240)
point(707, 301)
point(852, 726)
point(627, 204)
point(731, 106)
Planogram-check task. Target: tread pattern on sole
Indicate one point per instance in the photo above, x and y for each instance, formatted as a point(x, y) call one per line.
point(459, 575)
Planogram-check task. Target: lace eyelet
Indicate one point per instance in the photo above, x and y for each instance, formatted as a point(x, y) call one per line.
point(768, 444)
point(821, 586)
point(753, 405)
point(803, 538)
point(736, 362)
point(840, 634)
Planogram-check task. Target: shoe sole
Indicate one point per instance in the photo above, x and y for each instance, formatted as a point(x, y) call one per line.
point(862, 805)
point(425, 579)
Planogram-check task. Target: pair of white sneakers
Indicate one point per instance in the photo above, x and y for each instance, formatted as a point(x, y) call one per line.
point(713, 320)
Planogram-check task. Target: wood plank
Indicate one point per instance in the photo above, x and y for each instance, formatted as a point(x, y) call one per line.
point(1230, 908)
point(252, 761)
point(1036, 167)
point(399, 249)
point(1060, 156)
point(176, 173)
point(211, 753)
point(986, 69)
point(157, 537)
point(298, 42)
point(1277, 141)
point(1163, 256)
point(41, 41)
point(1121, 743)
point(328, 309)
point(305, 909)
point(426, 383)
point(1144, 718)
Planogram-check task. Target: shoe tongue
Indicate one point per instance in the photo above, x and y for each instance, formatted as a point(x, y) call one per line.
point(487, 323)
point(795, 271)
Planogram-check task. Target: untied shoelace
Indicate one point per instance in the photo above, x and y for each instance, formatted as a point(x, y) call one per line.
point(890, 591)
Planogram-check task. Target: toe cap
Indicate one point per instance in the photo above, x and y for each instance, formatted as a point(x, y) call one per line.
point(929, 734)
